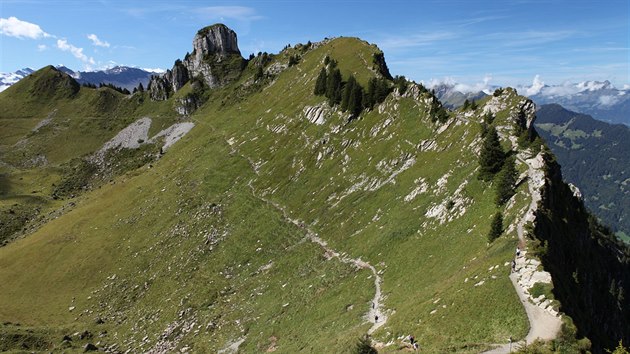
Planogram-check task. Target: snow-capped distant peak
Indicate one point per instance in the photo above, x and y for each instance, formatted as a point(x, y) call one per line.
point(154, 70)
point(8, 79)
point(595, 85)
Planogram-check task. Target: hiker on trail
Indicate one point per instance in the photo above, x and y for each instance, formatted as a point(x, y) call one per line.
point(373, 305)
point(513, 265)
point(375, 318)
point(518, 251)
point(411, 339)
point(415, 346)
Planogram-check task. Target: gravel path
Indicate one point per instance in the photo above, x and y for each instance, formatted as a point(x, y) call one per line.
point(542, 324)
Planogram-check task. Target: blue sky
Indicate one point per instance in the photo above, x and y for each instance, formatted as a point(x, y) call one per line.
point(505, 42)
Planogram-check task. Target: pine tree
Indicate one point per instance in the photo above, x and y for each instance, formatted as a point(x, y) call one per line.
point(368, 100)
point(496, 227)
point(492, 155)
point(333, 87)
point(355, 101)
point(345, 93)
point(320, 84)
point(140, 87)
point(506, 181)
point(382, 90)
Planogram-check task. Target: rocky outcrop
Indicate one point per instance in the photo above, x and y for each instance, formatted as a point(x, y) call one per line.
point(316, 114)
point(159, 88)
point(215, 60)
point(178, 76)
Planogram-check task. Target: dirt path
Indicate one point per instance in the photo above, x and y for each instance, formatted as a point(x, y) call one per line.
point(376, 313)
point(542, 324)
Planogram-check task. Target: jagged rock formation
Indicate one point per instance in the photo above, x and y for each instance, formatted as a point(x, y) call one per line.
point(215, 61)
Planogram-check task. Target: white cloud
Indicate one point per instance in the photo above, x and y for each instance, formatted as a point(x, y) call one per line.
point(14, 27)
point(239, 13)
point(97, 42)
point(607, 100)
point(41, 47)
point(626, 87)
point(484, 85)
point(536, 86)
point(566, 89)
point(77, 52)
point(415, 40)
point(592, 85)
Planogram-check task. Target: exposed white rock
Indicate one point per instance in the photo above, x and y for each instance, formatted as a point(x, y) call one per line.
point(317, 114)
point(130, 137)
point(575, 190)
point(173, 133)
point(421, 187)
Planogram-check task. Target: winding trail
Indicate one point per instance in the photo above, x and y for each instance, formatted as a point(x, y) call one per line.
point(376, 314)
point(542, 325)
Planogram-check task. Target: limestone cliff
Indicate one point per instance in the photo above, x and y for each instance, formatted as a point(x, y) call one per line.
point(215, 60)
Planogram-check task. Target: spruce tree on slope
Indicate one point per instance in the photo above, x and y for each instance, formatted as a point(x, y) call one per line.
point(492, 155)
point(496, 227)
point(506, 181)
point(333, 87)
point(320, 84)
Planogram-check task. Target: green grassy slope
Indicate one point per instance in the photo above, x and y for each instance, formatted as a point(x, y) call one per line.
point(189, 253)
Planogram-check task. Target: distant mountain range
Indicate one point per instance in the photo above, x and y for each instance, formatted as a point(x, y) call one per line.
point(8, 79)
point(594, 157)
point(596, 98)
point(121, 76)
point(599, 99)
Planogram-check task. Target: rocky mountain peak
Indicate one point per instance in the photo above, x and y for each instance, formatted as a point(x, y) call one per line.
point(216, 39)
point(215, 60)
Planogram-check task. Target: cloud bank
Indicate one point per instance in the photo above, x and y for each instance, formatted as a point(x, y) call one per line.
point(13, 27)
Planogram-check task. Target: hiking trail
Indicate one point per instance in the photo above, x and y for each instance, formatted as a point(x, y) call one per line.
point(376, 314)
point(542, 324)
point(376, 309)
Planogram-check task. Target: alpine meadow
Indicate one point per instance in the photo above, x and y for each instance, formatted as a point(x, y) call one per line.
point(301, 201)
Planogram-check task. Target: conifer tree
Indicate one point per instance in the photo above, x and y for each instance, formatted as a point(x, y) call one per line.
point(346, 92)
point(368, 100)
point(496, 227)
point(333, 87)
point(355, 101)
point(506, 181)
point(140, 87)
point(492, 155)
point(320, 84)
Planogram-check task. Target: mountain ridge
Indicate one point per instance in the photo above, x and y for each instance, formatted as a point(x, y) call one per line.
point(126, 77)
point(197, 256)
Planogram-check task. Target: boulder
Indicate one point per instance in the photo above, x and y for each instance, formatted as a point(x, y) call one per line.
point(89, 347)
